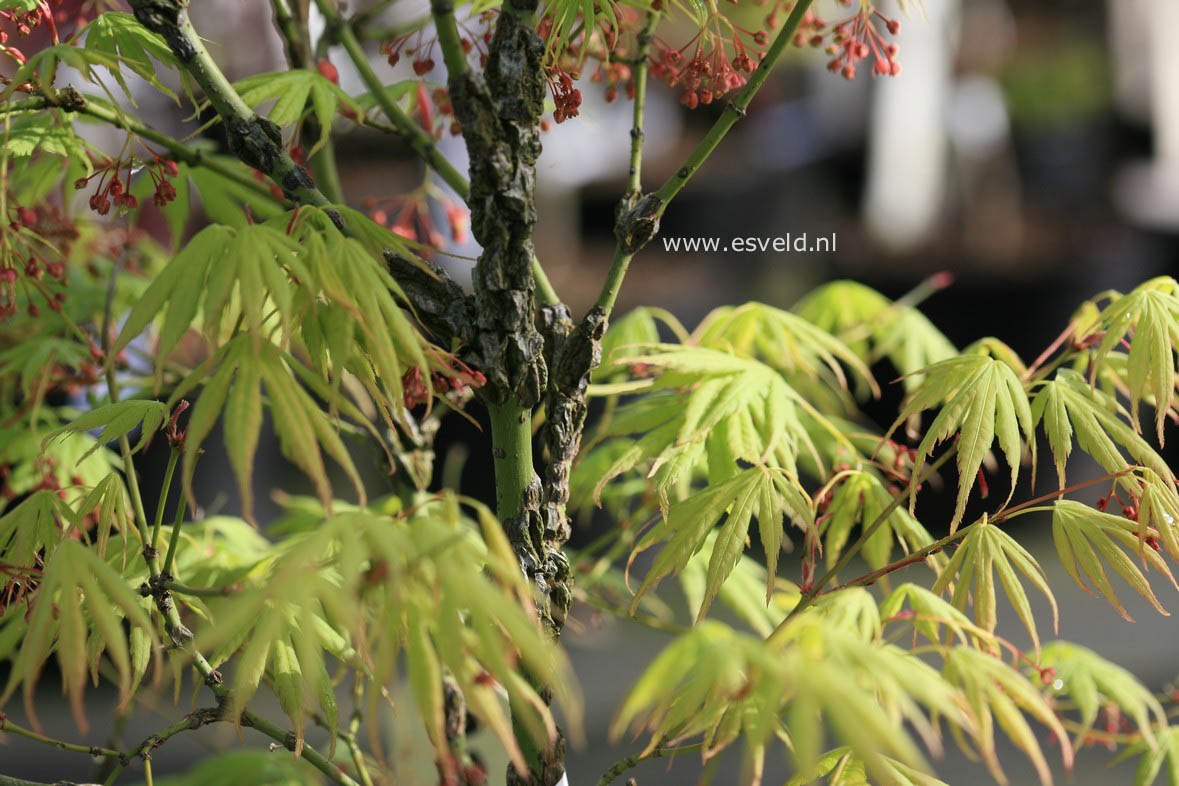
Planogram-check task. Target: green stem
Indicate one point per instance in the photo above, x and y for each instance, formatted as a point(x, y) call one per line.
point(448, 38)
point(79, 104)
point(735, 108)
point(174, 539)
point(809, 597)
point(633, 761)
point(421, 142)
point(634, 183)
point(511, 440)
point(163, 501)
point(92, 750)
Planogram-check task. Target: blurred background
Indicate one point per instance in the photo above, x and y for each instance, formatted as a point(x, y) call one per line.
point(1029, 147)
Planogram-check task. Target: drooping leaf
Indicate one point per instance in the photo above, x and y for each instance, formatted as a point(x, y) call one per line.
point(981, 400)
point(79, 596)
point(997, 692)
point(1088, 539)
point(1067, 405)
point(988, 553)
point(767, 494)
point(785, 341)
point(116, 420)
point(861, 499)
point(1151, 314)
point(874, 328)
point(1093, 682)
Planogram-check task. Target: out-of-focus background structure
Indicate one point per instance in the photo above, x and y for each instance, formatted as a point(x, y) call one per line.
point(1029, 147)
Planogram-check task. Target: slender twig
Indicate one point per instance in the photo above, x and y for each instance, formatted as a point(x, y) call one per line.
point(421, 142)
point(634, 183)
point(809, 597)
point(623, 765)
point(92, 750)
point(200, 592)
point(448, 38)
point(735, 108)
point(165, 487)
point(192, 156)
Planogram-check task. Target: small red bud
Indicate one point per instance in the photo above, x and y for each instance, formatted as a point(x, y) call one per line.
point(328, 71)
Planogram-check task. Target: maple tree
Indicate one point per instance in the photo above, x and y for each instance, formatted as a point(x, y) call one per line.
point(337, 325)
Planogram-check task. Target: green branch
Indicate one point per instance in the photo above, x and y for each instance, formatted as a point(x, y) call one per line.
point(417, 138)
point(809, 596)
point(623, 765)
point(69, 100)
point(639, 222)
point(634, 182)
point(91, 750)
point(448, 37)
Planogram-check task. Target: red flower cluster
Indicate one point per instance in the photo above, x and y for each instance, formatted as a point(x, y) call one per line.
point(454, 376)
point(25, 22)
point(410, 216)
point(420, 48)
point(112, 189)
point(856, 38)
point(566, 97)
point(710, 72)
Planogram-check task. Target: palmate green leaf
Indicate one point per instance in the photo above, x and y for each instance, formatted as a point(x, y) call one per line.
point(28, 464)
point(985, 555)
point(1088, 539)
point(1093, 682)
point(770, 495)
point(720, 685)
point(291, 91)
point(860, 498)
point(981, 400)
point(874, 327)
point(79, 612)
point(33, 527)
point(244, 367)
point(1151, 314)
point(997, 692)
point(743, 591)
point(434, 587)
point(255, 263)
point(709, 409)
point(29, 137)
point(781, 340)
point(121, 37)
point(841, 767)
point(116, 420)
point(1164, 752)
point(247, 768)
point(1068, 406)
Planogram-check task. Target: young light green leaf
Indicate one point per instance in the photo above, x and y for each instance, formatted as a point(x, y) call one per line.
point(874, 328)
point(1093, 682)
point(1087, 539)
point(767, 494)
point(981, 400)
point(116, 420)
point(985, 553)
